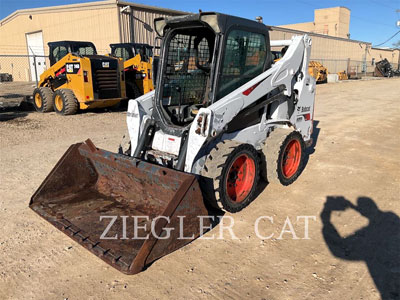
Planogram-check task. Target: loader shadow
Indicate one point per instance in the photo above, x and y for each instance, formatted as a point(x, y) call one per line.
point(315, 134)
point(310, 150)
point(120, 107)
point(377, 244)
point(10, 110)
point(8, 115)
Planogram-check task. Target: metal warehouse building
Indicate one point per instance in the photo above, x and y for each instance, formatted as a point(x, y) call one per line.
point(27, 32)
point(341, 54)
point(332, 45)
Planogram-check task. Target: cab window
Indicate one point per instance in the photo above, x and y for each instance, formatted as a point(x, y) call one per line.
point(122, 53)
point(244, 59)
point(58, 53)
point(85, 50)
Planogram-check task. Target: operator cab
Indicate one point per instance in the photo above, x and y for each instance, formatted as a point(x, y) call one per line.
point(195, 73)
point(130, 50)
point(60, 49)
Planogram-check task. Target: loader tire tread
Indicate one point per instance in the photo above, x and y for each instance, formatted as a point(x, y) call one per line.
point(47, 99)
point(134, 89)
point(213, 168)
point(70, 106)
point(272, 148)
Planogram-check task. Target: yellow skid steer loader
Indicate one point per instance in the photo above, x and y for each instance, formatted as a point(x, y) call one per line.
point(78, 78)
point(138, 61)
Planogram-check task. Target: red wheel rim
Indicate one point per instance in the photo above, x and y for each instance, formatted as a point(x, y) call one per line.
point(240, 178)
point(291, 158)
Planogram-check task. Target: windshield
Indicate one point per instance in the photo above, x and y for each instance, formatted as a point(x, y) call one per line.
point(187, 73)
point(144, 50)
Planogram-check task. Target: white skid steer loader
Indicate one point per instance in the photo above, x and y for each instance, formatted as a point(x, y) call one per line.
point(222, 115)
point(222, 107)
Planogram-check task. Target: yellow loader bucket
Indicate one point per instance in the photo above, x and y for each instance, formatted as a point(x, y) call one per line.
point(121, 209)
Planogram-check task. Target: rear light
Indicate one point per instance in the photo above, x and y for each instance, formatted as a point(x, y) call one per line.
point(307, 117)
point(85, 76)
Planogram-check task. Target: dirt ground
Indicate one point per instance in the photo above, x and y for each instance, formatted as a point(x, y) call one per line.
point(356, 155)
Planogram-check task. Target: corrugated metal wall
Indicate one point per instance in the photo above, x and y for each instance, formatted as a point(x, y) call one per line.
point(137, 25)
point(126, 26)
point(327, 47)
point(335, 54)
point(339, 54)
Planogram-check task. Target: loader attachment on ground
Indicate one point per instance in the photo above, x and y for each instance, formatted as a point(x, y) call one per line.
point(120, 208)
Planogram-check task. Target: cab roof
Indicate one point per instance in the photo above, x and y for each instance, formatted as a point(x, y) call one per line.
point(130, 45)
point(70, 43)
point(220, 23)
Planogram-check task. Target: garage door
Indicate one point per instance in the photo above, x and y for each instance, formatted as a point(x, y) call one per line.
point(37, 64)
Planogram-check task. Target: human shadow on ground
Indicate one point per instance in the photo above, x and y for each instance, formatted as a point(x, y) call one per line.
point(378, 243)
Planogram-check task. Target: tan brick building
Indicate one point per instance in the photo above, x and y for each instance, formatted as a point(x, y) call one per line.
point(333, 21)
point(28, 31)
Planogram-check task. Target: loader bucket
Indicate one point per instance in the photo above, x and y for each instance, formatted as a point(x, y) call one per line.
point(121, 209)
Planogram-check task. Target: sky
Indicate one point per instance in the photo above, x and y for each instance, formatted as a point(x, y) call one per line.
point(370, 20)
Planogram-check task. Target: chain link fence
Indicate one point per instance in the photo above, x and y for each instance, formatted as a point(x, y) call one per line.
point(30, 67)
point(22, 67)
point(354, 68)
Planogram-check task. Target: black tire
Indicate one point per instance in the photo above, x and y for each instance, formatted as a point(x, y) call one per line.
point(133, 90)
point(65, 102)
point(125, 145)
point(278, 143)
point(217, 180)
point(43, 99)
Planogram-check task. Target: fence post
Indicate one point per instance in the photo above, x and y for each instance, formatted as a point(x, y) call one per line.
point(356, 70)
point(34, 65)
